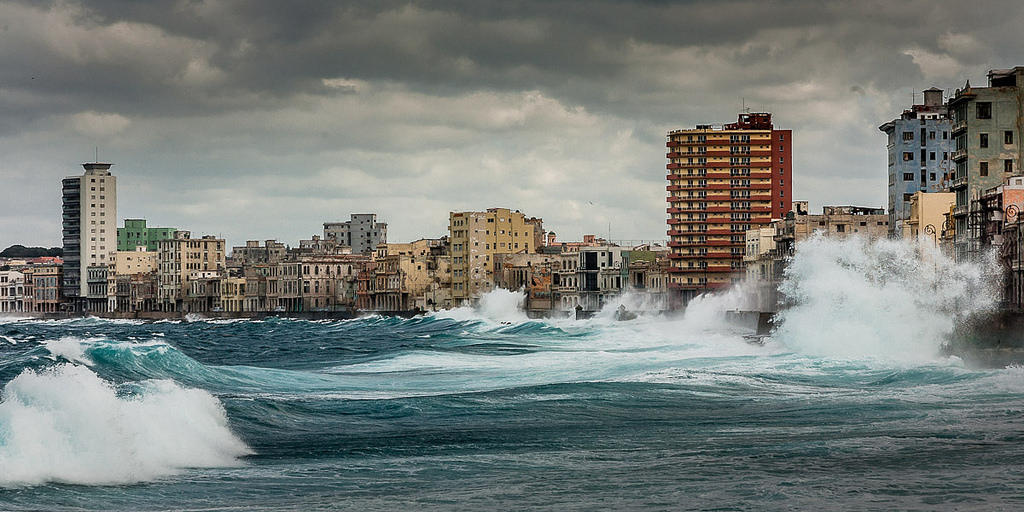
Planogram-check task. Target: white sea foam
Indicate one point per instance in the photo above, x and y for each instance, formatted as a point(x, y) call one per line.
point(70, 348)
point(66, 424)
point(496, 306)
point(886, 299)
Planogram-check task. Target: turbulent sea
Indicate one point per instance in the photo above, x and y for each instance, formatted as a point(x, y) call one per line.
point(848, 406)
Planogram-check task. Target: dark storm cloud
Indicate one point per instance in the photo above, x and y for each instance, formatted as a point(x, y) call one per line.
point(434, 102)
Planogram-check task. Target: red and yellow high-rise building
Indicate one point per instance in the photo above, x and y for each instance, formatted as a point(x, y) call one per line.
point(722, 181)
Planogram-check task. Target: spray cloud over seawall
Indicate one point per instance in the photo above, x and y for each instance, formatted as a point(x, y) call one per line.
point(890, 299)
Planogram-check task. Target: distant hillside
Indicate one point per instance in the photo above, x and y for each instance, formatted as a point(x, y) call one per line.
point(20, 251)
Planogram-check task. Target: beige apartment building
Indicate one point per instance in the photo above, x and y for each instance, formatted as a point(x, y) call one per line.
point(928, 212)
point(181, 257)
point(476, 237)
point(139, 261)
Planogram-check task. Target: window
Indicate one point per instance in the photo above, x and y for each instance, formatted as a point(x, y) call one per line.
point(782, 136)
point(931, 135)
point(1008, 137)
point(945, 135)
point(932, 177)
point(983, 110)
point(908, 156)
point(908, 176)
point(931, 156)
point(983, 141)
point(1008, 165)
point(983, 168)
point(908, 136)
point(840, 228)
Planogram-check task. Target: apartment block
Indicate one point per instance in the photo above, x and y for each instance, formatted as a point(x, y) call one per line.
point(476, 237)
point(919, 155)
point(722, 181)
point(986, 129)
point(135, 234)
point(361, 232)
point(89, 204)
point(182, 259)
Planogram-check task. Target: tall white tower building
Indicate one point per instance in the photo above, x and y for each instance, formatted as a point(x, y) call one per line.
point(90, 235)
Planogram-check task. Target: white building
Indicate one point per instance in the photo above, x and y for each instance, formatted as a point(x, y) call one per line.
point(89, 231)
point(12, 292)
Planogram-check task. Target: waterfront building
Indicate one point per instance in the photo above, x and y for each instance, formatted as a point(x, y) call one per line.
point(135, 234)
point(137, 261)
point(179, 260)
point(986, 129)
point(918, 146)
point(252, 253)
point(42, 284)
point(927, 213)
point(89, 205)
point(476, 237)
point(362, 232)
point(722, 181)
point(12, 292)
point(1011, 252)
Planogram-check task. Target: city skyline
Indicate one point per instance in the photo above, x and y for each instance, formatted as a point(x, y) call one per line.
point(267, 125)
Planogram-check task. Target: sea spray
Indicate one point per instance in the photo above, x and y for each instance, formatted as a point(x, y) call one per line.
point(497, 306)
point(888, 299)
point(66, 424)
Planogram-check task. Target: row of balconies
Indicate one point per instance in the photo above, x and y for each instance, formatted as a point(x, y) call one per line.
point(719, 209)
point(719, 153)
point(721, 220)
point(721, 186)
point(766, 174)
point(709, 269)
point(705, 243)
point(710, 165)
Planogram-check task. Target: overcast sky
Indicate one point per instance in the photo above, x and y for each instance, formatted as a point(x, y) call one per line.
point(265, 119)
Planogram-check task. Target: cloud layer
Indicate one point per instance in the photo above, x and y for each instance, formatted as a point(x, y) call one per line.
point(264, 119)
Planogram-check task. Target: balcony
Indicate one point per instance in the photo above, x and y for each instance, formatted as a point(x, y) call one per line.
point(959, 127)
point(959, 154)
point(959, 183)
point(960, 210)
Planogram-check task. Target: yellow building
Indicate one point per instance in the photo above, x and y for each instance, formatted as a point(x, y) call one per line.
point(928, 212)
point(232, 294)
point(181, 257)
point(475, 237)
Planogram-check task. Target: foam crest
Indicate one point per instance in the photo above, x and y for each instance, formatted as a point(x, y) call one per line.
point(66, 424)
point(887, 299)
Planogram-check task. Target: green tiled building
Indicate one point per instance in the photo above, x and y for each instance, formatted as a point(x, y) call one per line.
point(135, 233)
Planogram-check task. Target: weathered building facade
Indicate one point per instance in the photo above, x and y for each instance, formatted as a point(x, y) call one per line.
point(918, 148)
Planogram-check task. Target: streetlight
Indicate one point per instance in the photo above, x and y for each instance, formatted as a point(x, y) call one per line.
point(1012, 211)
point(930, 230)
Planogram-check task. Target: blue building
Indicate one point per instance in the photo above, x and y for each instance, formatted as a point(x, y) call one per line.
point(919, 148)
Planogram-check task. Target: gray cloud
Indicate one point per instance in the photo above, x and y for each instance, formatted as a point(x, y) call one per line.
point(262, 119)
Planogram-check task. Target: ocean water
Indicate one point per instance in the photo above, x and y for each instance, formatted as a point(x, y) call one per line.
point(848, 406)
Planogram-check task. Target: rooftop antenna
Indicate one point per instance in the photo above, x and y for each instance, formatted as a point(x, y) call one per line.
point(97, 155)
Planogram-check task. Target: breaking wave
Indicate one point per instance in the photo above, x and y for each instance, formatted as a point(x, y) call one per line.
point(66, 424)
